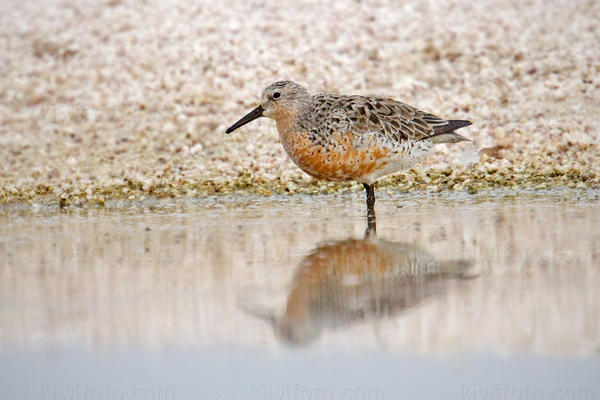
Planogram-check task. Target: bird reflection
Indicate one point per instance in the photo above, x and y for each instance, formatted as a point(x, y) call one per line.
point(351, 280)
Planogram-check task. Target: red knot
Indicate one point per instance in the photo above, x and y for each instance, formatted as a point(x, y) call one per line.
point(350, 138)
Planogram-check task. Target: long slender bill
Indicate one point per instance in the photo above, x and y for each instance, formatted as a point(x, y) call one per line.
point(251, 116)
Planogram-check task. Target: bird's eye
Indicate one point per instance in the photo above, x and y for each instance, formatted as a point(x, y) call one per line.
point(276, 95)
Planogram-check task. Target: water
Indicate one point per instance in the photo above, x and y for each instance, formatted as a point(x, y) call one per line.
point(488, 296)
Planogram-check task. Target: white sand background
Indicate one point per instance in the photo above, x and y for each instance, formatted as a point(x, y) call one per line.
point(97, 93)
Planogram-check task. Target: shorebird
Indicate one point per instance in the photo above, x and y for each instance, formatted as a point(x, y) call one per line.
point(350, 138)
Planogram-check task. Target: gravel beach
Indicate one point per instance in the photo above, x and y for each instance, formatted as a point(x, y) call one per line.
point(126, 99)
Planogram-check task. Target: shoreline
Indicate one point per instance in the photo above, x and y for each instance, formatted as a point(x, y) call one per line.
point(473, 180)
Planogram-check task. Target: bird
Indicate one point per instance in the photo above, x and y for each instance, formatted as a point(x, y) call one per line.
point(358, 138)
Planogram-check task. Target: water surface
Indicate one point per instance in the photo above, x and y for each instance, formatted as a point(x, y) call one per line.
point(469, 291)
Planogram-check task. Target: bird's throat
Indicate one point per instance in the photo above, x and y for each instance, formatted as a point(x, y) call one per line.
point(285, 120)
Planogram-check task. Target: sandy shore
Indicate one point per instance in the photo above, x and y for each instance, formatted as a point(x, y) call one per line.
point(123, 99)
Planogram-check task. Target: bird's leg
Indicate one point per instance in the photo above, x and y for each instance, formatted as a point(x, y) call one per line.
point(371, 220)
point(370, 191)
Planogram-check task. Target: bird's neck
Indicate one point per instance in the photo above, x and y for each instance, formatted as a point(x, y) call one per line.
point(286, 121)
point(293, 120)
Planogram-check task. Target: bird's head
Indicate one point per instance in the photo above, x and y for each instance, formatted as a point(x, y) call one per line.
point(282, 99)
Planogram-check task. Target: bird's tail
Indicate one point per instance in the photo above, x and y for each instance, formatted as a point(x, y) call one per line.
point(445, 133)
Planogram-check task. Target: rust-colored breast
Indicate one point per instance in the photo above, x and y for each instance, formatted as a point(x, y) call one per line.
point(338, 160)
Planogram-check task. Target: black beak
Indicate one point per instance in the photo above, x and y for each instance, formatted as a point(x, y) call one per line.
point(251, 116)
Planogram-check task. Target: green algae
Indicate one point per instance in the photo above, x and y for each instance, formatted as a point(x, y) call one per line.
point(479, 177)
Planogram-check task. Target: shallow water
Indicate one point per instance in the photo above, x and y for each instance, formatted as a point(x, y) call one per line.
point(245, 297)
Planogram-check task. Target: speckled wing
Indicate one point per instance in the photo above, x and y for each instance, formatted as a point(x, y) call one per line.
point(371, 119)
